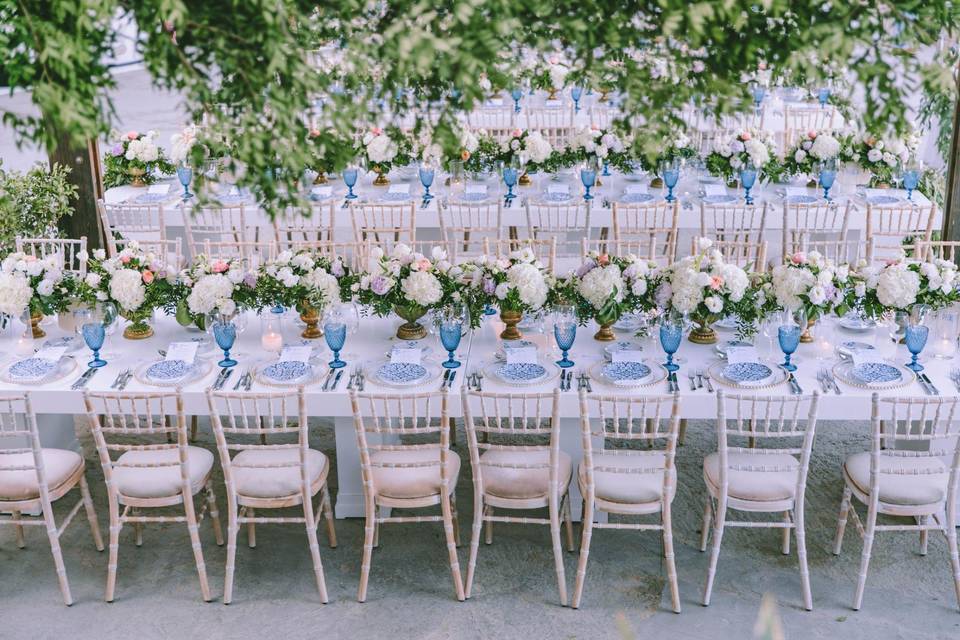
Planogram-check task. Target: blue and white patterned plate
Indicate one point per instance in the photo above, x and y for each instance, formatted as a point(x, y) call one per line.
point(31, 369)
point(747, 373)
point(557, 196)
point(881, 200)
point(621, 345)
point(719, 199)
point(846, 349)
point(287, 372)
point(801, 199)
point(396, 196)
point(626, 372)
point(153, 198)
point(475, 196)
point(875, 372)
point(637, 197)
point(168, 370)
point(401, 373)
point(521, 372)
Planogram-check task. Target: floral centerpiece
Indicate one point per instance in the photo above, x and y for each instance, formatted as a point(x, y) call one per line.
point(731, 154)
point(307, 282)
point(676, 147)
point(133, 158)
point(550, 75)
point(515, 284)
point(812, 148)
point(597, 147)
point(382, 149)
point(811, 282)
point(329, 152)
point(136, 281)
point(899, 285)
point(35, 284)
point(479, 151)
point(605, 287)
point(703, 287)
point(181, 143)
point(410, 284)
point(529, 145)
point(881, 155)
point(212, 286)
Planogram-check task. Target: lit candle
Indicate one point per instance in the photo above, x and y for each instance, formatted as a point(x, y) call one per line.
point(24, 346)
point(272, 341)
point(944, 348)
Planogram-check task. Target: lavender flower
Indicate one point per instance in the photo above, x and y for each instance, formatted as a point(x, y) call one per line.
point(337, 268)
point(250, 279)
point(380, 285)
point(489, 286)
point(586, 267)
point(117, 150)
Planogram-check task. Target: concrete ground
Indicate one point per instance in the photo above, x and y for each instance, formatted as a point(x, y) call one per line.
point(515, 595)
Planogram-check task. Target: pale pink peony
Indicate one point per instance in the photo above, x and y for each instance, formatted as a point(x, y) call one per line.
point(716, 282)
point(131, 135)
point(147, 276)
point(799, 258)
point(219, 266)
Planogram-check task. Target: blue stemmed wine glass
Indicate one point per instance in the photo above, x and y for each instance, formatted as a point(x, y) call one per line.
point(606, 169)
point(588, 176)
point(225, 333)
point(575, 93)
point(91, 324)
point(758, 93)
point(823, 96)
point(827, 176)
point(510, 175)
point(516, 93)
point(427, 171)
point(350, 179)
point(748, 178)
point(565, 332)
point(335, 333)
point(916, 336)
point(185, 175)
point(670, 174)
point(671, 333)
point(450, 323)
point(911, 178)
point(792, 325)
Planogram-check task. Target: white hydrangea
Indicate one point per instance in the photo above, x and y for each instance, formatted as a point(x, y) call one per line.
point(325, 283)
point(789, 283)
point(15, 294)
point(381, 148)
point(825, 147)
point(211, 292)
point(530, 284)
point(898, 286)
point(126, 287)
point(602, 284)
point(422, 287)
point(537, 147)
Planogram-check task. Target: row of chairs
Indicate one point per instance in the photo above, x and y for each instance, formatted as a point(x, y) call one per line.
point(629, 443)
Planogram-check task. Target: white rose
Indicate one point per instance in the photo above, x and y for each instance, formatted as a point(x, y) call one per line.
point(423, 288)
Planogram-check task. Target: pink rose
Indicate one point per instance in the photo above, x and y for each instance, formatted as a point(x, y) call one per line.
point(125, 259)
point(314, 133)
point(516, 133)
point(799, 258)
point(131, 135)
point(603, 259)
point(716, 283)
point(762, 66)
point(812, 134)
point(219, 266)
point(376, 131)
point(423, 265)
point(147, 276)
point(745, 136)
point(554, 60)
point(29, 258)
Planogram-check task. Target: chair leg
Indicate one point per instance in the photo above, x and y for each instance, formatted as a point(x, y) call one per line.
point(193, 528)
point(800, 531)
point(488, 537)
point(91, 513)
point(682, 434)
point(456, 519)
point(328, 516)
point(478, 512)
point(369, 528)
point(842, 519)
point(558, 552)
point(451, 545)
point(785, 534)
point(865, 556)
point(585, 537)
point(233, 532)
point(251, 529)
point(19, 529)
point(705, 526)
point(954, 557)
point(376, 528)
point(54, 538)
point(114, 546)
point(922, 521)
point(214, 513)
point(194, 425)
point(668, 554)
point(720, 517)
point(314, 545)
point(137, 529)
point(568, 521)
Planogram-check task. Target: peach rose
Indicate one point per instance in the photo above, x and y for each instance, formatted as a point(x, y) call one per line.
point(812, 134)
point(603, 259)
point(799, 258)
point(131, 135)
point(716, 283)
point(314, 133)
point(219, 266)
point(423, 265)
point(376, 131)
point(516, 133)
point(147, 276)
point(464, 155)
point(125, 259)
point(745, 136)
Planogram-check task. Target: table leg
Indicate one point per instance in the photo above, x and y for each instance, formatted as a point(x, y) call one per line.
point(571, 443)
point(349, 477)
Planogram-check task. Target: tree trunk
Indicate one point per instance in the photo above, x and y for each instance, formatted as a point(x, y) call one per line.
point(951, 205)
point(84, 163)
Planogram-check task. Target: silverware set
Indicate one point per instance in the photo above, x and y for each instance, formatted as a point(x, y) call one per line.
point(82, 381)
point(795, 387)
point(332, 380)
point(448, 377)
point(955, 378)
point(120, 382)
point(225, 372)
point(357, 380)
point(672, 384)
point(245, 381)
point(827, 382)
point(927, 384)
point(475, 380)
point(583, 381)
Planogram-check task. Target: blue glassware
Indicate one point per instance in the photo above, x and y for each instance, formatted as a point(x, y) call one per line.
point(575, 93)
point(588, 177)
point(426, 179)
point(670, 173)
point(916, 340)
point(911, 178)
point(516, 94)
point(225, 333)
point(671, 333)
point(350, 179)
point(335, 333)
point(450, 334)
point(510, 175)
point(185, 175)
point(565, 333)
point(94, 334)
point(758, 95)
point(823, 95)
point(606, 169)
point(488, 310)
point(789, 337)
point(748, 178)
point(827, 177)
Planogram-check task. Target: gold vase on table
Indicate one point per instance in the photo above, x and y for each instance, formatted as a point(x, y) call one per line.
point(381, 180)
point(552, 93)
point(524, 180)
point(411, 329)
point(606, 319)
point(35, 319)
point(311, 317)
point(510, 318)
point(807, 335)
point(321, 178)
point(138, 329)
point(702, 332)
point(136, 176)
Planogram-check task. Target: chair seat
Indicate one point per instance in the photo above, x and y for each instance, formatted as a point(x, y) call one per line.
point(756, 486)
point(522, 484)
point(160, 482)
point(260, 481)
point(628, 488)
point(900, 489)
point(58, 466)
point(412, 482)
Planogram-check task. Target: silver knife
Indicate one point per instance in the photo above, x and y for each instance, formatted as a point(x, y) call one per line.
point(81, 382)
point(453, 374)
point(446, 376)
point(326, 382)
point(586, 381)
point(216, 383)
point(249, 381)
point(223, 380)
point(239, 383)
point(125, 380)
point(336, 379)
point(929, 382)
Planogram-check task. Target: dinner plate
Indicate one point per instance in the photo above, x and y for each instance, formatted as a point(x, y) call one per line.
point(35, 371)
point(801, 199)
point(719, 199)
point(631, 198)
point(626, 373)
point(523, 373)
point(288, 372)
point(402, 374)
point(557, 196)
point(875, 373)
point(881, 200)
point(172, 373)
point(476, 196)
point(748, 373)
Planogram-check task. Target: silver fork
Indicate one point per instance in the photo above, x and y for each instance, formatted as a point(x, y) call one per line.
point(693, 380)
point(955, 378)
point(703, 375)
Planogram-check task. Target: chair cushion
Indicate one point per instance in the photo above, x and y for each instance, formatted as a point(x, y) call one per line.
point(274, 482)
point(628, 488)
point(759, 486)
point(522, 484)
point(58, 465)
point(412, 482)
point(899, 489)
point(159, 482)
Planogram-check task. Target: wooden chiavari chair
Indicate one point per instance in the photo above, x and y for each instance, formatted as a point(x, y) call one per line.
point(65, 250)
point(131, 222)
point(498, 123)
point(644, 249)
point(33, 477)
point(254, 253)
point(656, 223)
point(172, 249)
point(510, 473)
point(465, 226)
point(567, 223)
point(293, 226)
point(269, 476)
point(150, 471)
point(750, 256)
point(762, 479)
point(917, 480)
point(216, 224)
point(931, 250)
point(384, 223)
point(733, 222)
point(850, 252)
point(798, 120)
point(804, 224)
point(888, 226)
point(628, 481)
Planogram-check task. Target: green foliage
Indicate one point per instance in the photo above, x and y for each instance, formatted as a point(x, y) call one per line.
point(32, 203)
point(940, 96)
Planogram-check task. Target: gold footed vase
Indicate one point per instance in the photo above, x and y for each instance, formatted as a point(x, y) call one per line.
point(136, 177)
point(310, 317)
point(321, 178)
point(703, 333)
point(411, 329)
point(381, 180)
point(552, 93)
point(604, 95)
point(605, 334)
point(807, 335)
point(35, 328)
point(138, 330)
point(657, 183)
point(524, 180)
point(510, 320)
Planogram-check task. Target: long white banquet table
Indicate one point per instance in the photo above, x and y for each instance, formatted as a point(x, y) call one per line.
point(57, 403)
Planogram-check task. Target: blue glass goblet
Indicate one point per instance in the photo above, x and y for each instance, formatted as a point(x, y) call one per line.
point(451, 330)
point(565, 332)
point(588, 176)
point(225, 333)
point(350, 179)
point(916, 339)
point(823, 95)
point(670, 174)
point(516, 93)
point(748, 178)
point(575, 93)
point(426, 172)
point(185, 175)
point(606, 169)
point(335, 333)
point(671, 333)
point(788, 335)
point(488, 310)
point(827, 176)
point(94, 333)
point(758, 93)
point(510, 175)
point(911, 178)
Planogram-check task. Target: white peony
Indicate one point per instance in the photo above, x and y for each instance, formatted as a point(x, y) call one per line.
point(800, 156)
point(758, 152)
point(898, 286)
point(209, 293)
point(825, 147)
point(874, 155)
point(530, 284)
point(537, 147)
point(15, 294)
point(789, 283)
point(381, 149)
point(602, 284)
point(422, 287)
point(126, 287)
point(714, 304)
point(325, 283)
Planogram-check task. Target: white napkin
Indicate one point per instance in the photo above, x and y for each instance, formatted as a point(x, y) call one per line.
point(186, 351)
point(495, 102)
point(795, 191)
point(714, 190)
point(637, 188)
point(403, 187)
point(626, 355)
point(552, 104)
point(742, 354)
point(53, 354)
point(158, 189)
point(406, 355)
point(520, 355)
point(863, 356)
point(299, 353)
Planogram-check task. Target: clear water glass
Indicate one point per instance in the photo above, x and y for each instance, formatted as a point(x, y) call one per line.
point(350, 179)
point(185, 176)
point(94, 334)
point(225, 333)
point(335, 333)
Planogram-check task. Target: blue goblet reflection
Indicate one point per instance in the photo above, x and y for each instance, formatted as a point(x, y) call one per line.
point(565, 333)
point(94, 334)
point(225, 333)
point(185, 175)
point(350, 179)
point(788, 336)
point(450, 333)
point(588, 176)
point(671, 333)
point(916, 340)
point(335, 333)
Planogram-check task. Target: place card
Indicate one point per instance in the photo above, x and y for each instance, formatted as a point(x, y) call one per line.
point(714, 190)
point(186, 351)
point(322, 191)
point(298, 353)
point(234, 191)
point(742, 354)
point(553, 104)
point(626, 355)
point(558, 188)
point(403, 187)
point(637, 188)
point(158, 189)
point(495, 102)
point(476, 188)
point(406, 355)
point(863, 356)
point(520, 355)
point(795, 191)
point(53, 354)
